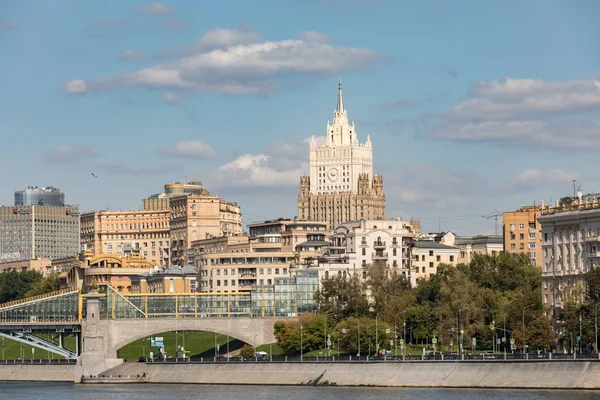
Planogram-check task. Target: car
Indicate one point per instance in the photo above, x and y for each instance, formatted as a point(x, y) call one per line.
point(142, 359)
point(261, 355)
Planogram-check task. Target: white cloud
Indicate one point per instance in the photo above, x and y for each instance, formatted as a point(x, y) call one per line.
point(561, 135)
point(254, 170)
point(522, 99)
point(525, 112)
point(156, 9)
point(68, 154)
point(76, 86)
point(170, 98)
point(194, 149)
point(130, 55)
point(220, 37)
point(314, 36)
point(240, 69)
point(532, 178)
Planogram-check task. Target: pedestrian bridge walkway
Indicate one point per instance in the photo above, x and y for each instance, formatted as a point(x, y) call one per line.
point(69, 306)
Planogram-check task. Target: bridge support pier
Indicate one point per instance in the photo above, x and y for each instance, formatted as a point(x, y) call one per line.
point(96, 355)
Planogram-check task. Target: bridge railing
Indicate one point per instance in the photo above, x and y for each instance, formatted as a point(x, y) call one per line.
point(56, 307)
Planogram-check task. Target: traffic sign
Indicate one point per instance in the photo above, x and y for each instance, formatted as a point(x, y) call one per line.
point(387, 330)
point(474, 341)
point(512, 341)
point(492, 326)
point(328, 343)
point(402, 341)
point(434, 340)
point(462, 331)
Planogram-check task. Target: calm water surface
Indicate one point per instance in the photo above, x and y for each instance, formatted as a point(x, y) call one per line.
point(60, 391)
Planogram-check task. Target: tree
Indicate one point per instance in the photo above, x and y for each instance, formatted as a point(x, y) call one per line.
point(247, 351)
point(340, 298)
point(46, 285)
point(592, 280)
point(14, 285)
point(306, 333)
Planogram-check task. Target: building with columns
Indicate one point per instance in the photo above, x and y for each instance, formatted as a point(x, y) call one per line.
point(341, 186)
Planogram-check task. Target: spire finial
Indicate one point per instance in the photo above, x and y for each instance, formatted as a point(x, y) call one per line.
point(340, 100)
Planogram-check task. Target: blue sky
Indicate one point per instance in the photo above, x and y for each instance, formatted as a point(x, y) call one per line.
point(472, 106)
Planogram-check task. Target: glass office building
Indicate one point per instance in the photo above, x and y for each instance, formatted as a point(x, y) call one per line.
point(287, 297)
point(34, 196)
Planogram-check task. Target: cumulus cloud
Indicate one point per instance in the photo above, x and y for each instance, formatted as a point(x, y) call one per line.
point(314, 36)
point(156, 9)
point(240, 69)
point(532, 178)
point(130, 55)
point(68, 154)
point(194, 149)
point(76, 86)
point(522, 99)
point(525, 112)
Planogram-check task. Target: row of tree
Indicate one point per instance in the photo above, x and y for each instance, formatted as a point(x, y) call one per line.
point(494, 297)
point(16, 285)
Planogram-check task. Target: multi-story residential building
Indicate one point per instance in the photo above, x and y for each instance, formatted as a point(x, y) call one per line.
point(166, 280)
point(522, 233)
point(271, 251)
point(468, 245)
point(194, 214)
point(570, 248)
point(429, 254)
point(123, 232)
point(357, 244)
point(341, 186)
point(34, 196)
point(33, 231)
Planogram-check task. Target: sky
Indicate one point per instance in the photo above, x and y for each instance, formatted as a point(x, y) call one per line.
point(473, 107)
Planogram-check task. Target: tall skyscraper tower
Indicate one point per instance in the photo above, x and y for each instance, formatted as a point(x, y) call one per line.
point(341, 186)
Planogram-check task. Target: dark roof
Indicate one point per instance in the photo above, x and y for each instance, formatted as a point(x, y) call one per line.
point(430, 244)
point(314, 243)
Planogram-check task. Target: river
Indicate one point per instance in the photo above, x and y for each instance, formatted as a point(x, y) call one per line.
point(66, 391)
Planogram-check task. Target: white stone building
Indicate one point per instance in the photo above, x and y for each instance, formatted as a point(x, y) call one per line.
point(355, 245)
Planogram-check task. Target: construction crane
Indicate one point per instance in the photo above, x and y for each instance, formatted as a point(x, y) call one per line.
point(494, 215)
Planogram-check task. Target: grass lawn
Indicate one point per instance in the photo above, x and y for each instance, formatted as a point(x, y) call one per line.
point(277, 351)
point(196, 344)
point(14, 350)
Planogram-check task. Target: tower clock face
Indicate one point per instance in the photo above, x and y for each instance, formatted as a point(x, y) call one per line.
point(332, 174)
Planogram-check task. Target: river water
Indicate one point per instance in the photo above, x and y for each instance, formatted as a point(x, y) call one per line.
point(65, 391)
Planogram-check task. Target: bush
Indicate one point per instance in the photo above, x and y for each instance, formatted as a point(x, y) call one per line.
point(247, 351)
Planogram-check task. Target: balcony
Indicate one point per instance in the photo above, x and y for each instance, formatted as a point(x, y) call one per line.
point(395, 243)
point(379, 245)
point(383, 255)
point(593, 254)
point(248, 274)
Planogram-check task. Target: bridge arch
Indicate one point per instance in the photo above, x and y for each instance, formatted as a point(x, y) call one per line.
point(254, 331)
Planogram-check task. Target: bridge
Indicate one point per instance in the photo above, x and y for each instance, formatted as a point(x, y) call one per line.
point(104, 322)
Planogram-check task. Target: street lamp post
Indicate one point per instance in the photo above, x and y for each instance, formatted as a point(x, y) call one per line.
point(358, 337)
point(524, 340)
point(596, 325)
point(580, 331)
point(301, 344)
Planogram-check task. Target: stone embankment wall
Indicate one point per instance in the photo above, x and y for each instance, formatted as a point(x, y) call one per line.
point(480, 374)
point(41, 373)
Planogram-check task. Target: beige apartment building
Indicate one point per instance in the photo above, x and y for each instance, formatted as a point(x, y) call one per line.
point(166, 280)
point(121, 233)
point(272, 250)
point(194, 214)
point(522, 233)
point(428, 255)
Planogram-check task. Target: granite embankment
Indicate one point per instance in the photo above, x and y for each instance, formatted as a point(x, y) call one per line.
point(477, 374)
point(41, 373)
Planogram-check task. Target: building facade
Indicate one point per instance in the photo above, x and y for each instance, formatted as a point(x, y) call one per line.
point(32, 232)
point(355, 245)
point(121, 233)
point(428, 255)
point(273, 250)
point(34, 196)
point(166, 280)
point(481, 244)
point(194, 214)
point(570, 248)
point(341, 186)
point(522, 233)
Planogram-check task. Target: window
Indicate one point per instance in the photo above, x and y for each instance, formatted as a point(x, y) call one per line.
point(276, 271)
point(545, 237)
point(422, 258)
point(513, 246)
point(451, 258)
point(531, 235)
point(364, 252)
point(233, 282)
point(438, 258)
point(394, 252)
point(218, 283)
point(532, 245)
point(512, 236)
point(521, 236)
point(521, 246)
point(431, 264)
point(430, 253)
point(423, 269)
point(512, 227)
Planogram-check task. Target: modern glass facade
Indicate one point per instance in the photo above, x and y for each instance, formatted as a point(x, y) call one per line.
point(34, 196)
point(287, 297)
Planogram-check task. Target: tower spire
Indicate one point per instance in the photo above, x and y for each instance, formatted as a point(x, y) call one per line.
point(340, 100)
